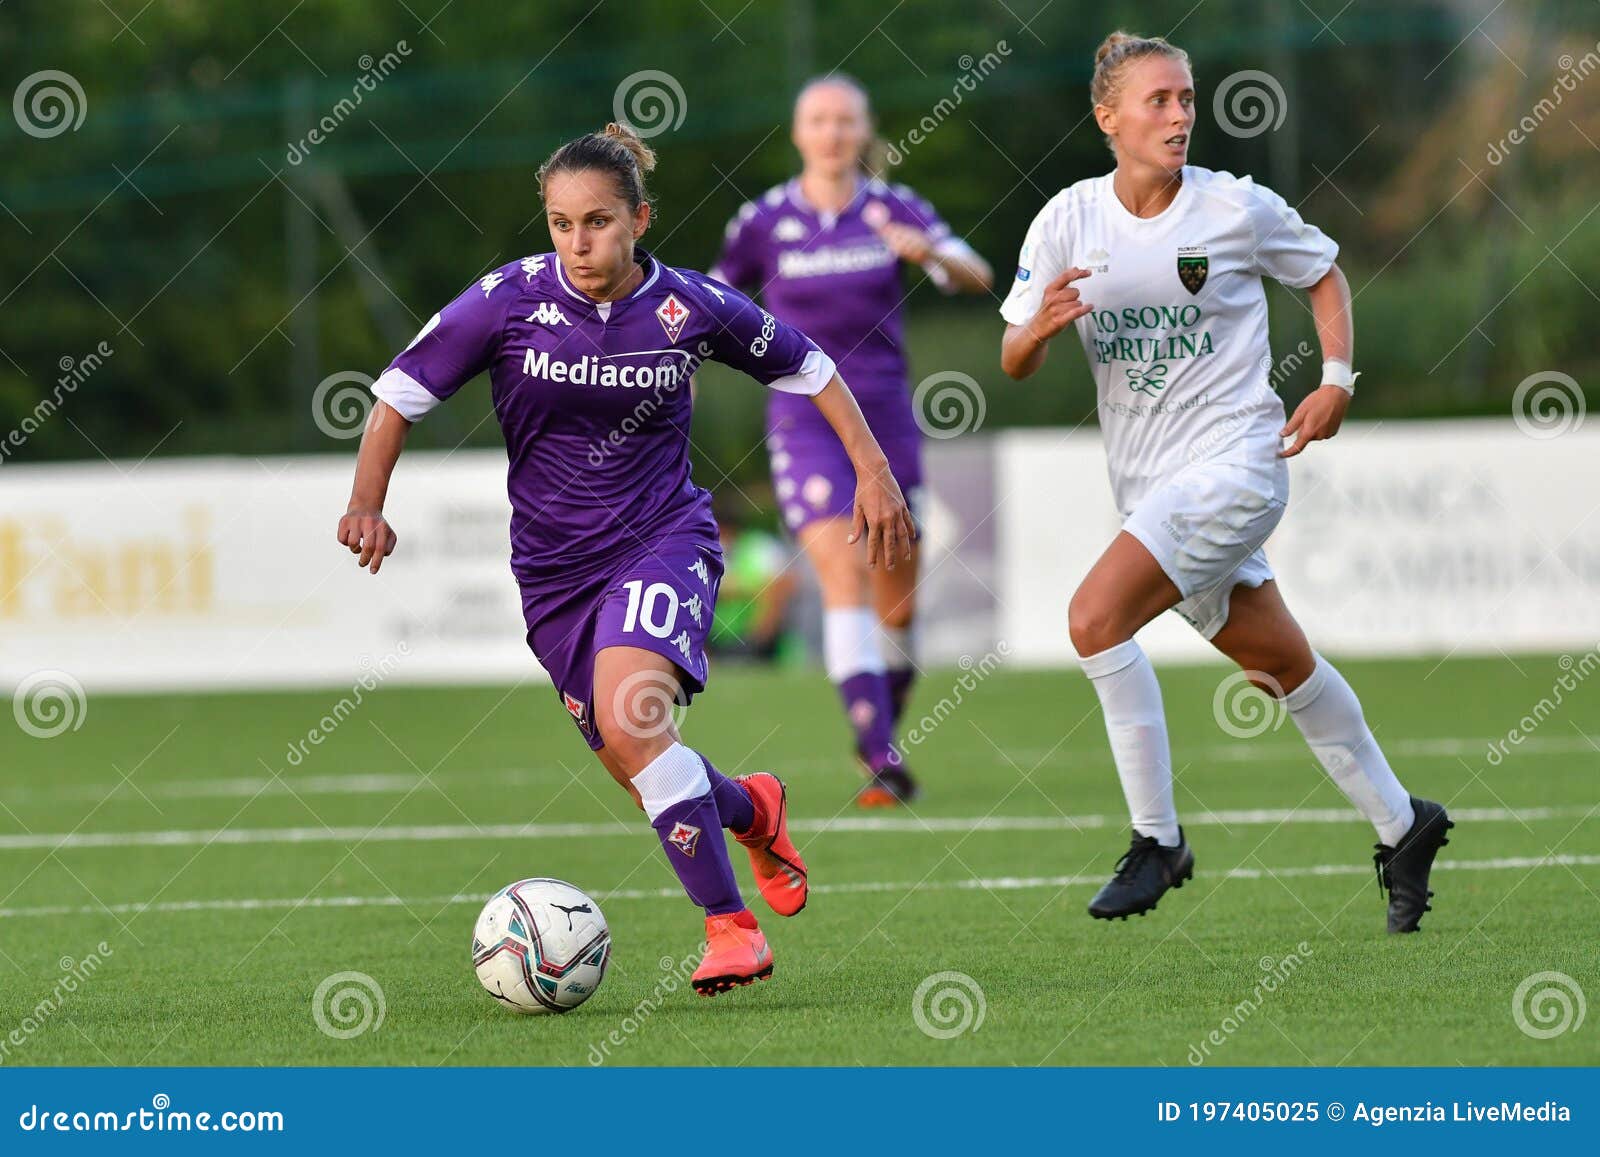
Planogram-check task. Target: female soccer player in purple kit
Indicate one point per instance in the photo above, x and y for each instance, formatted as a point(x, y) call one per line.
point(589, 351)
point(824, 251)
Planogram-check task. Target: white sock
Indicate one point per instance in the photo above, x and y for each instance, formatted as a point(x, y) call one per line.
point(1130, 697)
point(675, 775)
point(850, 643)
point(1328, 714)
point(897, 648)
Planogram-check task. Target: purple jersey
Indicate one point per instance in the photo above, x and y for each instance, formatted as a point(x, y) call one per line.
point(834, 278)
point(594, 400)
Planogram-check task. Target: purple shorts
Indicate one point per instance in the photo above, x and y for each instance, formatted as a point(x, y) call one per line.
point(660, 601)
point(812, 476)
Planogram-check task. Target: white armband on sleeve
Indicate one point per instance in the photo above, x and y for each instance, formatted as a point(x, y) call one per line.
point(949, 247)
point(813, 376)
point(402, 391)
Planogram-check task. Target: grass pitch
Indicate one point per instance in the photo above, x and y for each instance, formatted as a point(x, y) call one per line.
point(198, 888)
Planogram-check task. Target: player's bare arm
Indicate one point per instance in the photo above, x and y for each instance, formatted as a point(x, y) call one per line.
point(880, 509)
point(968, 272)
point(363, 528)
point(1322, 412)
point(1022, 350)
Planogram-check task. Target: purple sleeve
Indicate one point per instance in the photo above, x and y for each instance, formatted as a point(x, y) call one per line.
point(739, 263)
point(751, 340)
point(456, 345)
point(910, 208)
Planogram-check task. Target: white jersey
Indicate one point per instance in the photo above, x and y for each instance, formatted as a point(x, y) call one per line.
point(1177, 340)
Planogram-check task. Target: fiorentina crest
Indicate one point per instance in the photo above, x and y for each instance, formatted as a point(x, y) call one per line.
point(576, 707)
point(684, 837)
point(1192, 267)
point(672, 313)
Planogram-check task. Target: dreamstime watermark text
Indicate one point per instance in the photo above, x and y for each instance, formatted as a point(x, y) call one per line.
point(973, 73)
point(373, 73)
point(1275, 973)
point(74, 372)
point(374, 675)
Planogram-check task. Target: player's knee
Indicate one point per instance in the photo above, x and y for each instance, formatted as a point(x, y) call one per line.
point(631, 745)
point(1286, 672)
point(842, 575)
point(1092, 625)
point(843, 586)
point(899, 616)
point(1273, 672)
point(635, 722)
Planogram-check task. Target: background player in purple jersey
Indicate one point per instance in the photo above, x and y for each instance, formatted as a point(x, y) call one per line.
point(589, 352)
point(824, 252)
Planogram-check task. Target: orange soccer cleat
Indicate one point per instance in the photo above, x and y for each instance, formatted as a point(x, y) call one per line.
point(780, 872)
point(736, 953)
point(889, 787)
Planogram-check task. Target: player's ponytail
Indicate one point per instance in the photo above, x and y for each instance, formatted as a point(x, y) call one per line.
point(643, 155)
point(615, 149)
point(1113, 57)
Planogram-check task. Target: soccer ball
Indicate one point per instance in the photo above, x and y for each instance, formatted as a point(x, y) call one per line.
point(541, 946)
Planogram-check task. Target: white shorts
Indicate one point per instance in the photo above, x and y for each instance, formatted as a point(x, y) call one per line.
point(1205, 526)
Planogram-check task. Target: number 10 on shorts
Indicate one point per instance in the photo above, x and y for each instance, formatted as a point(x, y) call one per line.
point(645, 608)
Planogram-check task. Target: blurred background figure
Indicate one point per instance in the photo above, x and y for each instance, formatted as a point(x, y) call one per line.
point(755, 601)
point(824, 251)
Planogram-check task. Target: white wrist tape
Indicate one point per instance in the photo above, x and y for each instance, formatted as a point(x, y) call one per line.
point(1337, 373)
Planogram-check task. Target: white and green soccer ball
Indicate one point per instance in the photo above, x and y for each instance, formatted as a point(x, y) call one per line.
point(541, 946)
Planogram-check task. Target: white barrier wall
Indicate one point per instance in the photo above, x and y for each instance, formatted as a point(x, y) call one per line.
point(225, 572)
point(1401, 538)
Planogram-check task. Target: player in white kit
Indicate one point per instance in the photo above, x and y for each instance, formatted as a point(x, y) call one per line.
point(1159, 267)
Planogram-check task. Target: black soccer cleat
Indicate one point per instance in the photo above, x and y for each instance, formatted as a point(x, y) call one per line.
point(889, 787)
point(1403, 871)
point(1144, 873)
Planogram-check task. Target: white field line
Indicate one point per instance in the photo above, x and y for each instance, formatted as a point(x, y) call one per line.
point(985, 884)
point(906, 825)
point(400, 783)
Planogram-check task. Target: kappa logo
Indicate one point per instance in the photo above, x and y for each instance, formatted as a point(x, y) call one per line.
point(817, 490)
point(672, 313)
point(789, 229)
point(549, 313)
point(709, 287)
point(532, 266)
point(698, 569)
point(695, 607)
point(576, 708)
point(682, 643)
point(488, 283)
point(684, 837)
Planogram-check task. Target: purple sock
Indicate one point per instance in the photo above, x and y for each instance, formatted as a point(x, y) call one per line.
point(900, 680)
point(867, 704)
point(734, 805)
point(691, 834)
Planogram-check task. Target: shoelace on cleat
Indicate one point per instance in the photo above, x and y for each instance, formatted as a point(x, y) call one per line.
point(1132, 859)
point(1380, 863)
